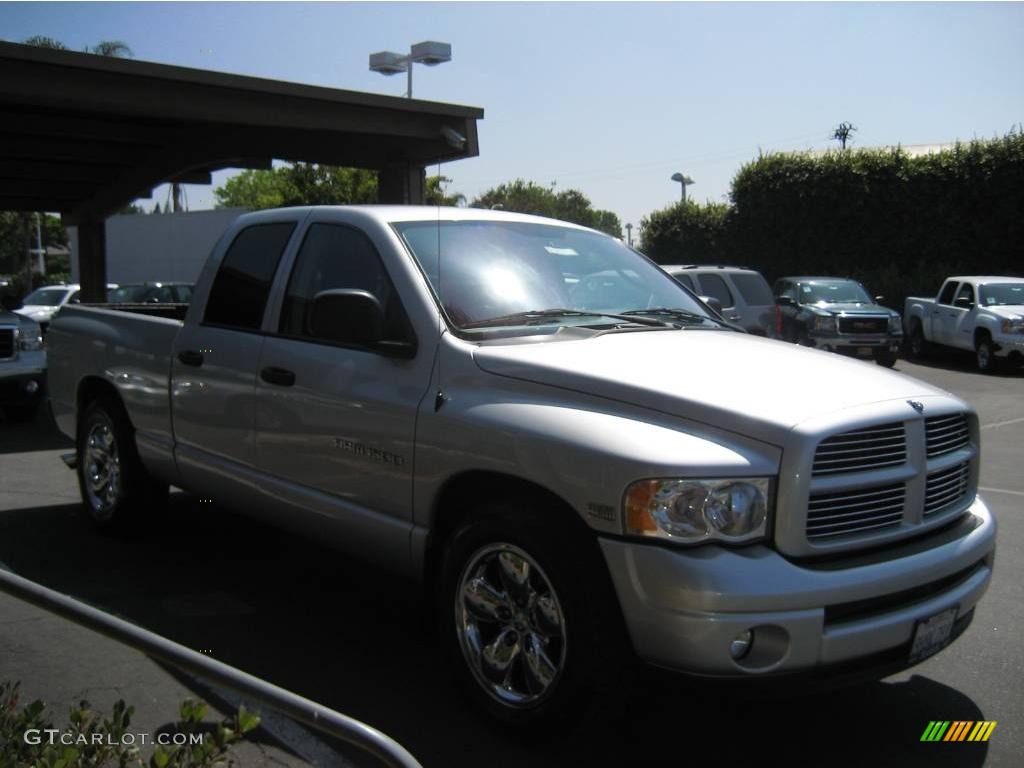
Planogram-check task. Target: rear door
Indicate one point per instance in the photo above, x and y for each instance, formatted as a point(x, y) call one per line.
point(335, 422)
point(213, 373)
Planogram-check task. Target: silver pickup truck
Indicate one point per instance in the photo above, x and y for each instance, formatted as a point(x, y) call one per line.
point(580, 477)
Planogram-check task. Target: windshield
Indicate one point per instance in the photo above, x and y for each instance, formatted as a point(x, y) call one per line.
point(834, 292)
point(1002, 294)
point(45, 297)
point(499, 270)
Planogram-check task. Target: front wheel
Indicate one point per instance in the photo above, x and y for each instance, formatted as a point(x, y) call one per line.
point(531, 625)
point(116, 489)
point(917, 345)
point(886, 360)
point(985, 355)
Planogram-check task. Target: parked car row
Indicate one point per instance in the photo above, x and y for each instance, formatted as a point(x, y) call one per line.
point(984, 314)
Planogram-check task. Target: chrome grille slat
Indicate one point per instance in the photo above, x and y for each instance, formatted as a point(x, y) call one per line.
point(945, 434)
point(946, 487)
point(6, 343)
point(845, 512)
point(861, 449)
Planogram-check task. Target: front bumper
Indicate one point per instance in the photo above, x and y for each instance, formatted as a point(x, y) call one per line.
point(684, 607)
point(18, 375)
point(858, 347)
point(1009, 346)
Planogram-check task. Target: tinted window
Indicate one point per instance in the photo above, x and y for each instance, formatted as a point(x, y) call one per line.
point(715, 287)
point(946, 297)
point(966, 292)
point(240, 289)
point(335, 256)
point(753, 288)
point(684, 280)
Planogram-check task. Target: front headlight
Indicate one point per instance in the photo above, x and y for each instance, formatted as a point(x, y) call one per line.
point(732, 510)
point(825, 323)
point(1013, 325)
point(29, 342)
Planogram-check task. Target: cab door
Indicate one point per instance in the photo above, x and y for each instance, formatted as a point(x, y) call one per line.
point(335, 422)
point(214, 362)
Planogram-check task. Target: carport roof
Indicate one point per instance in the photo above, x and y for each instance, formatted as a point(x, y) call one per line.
point(85, 134)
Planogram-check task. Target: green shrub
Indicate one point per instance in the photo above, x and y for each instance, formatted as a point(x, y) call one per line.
point(100, 741)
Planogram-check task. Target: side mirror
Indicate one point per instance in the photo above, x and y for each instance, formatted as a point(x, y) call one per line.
point(963, 302)
point(347, 315)
point(713, 304)
point(785, 301)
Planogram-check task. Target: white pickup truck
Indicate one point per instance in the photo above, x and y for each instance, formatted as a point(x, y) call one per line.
point(980, 313)
point(577, 475)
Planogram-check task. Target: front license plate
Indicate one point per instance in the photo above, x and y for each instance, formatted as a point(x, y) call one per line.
point(933, 634)
point(865, 350)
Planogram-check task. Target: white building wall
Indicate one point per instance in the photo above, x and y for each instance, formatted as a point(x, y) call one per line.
point(166, 247)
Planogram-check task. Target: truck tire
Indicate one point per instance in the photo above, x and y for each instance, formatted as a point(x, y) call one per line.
point(529, 619)
point(984, 354)
point(116, 488)
point(887, 359)
point(917, 345)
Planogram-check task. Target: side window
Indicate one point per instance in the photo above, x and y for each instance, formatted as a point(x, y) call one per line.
point(715, 286)
point(685, 280)
point(240, 289)
point(966, 292)
point(76, 298)
point(337, 256)
point(183, 294)
point(946, 297)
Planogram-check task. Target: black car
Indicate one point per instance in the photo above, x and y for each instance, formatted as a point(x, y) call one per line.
point(836, 314)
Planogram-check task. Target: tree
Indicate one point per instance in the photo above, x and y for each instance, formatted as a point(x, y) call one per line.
point(41, 41)
point(115, 48)
point(298, 184)
point(842, 133)
point(568, 205)
point(435, 192)
point(686, 232)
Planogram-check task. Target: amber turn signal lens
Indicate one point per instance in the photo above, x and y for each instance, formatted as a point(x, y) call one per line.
point(638, 505)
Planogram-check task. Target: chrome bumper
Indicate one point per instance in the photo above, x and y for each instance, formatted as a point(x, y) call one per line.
point(684, 607)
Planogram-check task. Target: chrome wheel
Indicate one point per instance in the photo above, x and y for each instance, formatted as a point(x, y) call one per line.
point(510, 625)
point(983, 351)
point(102, 468)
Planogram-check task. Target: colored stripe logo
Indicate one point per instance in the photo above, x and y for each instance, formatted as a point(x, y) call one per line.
point(958, 730)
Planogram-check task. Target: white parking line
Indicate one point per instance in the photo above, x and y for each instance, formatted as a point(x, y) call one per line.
point(1006, 423)
point(1000, 490)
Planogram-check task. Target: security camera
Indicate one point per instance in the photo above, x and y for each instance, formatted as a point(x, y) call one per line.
point(453, 137)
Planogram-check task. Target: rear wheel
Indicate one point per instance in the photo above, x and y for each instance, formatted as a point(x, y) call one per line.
point(116, 489)
point(534, 633)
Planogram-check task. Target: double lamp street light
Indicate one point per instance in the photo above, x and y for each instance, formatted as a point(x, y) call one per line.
point(428, 52)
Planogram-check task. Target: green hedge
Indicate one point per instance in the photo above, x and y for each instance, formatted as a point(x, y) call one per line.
point(898, 223)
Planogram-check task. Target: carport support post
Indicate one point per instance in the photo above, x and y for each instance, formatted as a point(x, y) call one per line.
point(92, 260)
point(402, 184)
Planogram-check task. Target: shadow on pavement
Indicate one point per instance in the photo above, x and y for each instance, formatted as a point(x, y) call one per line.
point(40, 434)
point(962, 361)
point(358, 640)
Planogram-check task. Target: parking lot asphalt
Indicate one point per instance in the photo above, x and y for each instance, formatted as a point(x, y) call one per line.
point(359, 640)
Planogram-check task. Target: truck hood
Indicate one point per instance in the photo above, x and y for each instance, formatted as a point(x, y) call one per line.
point(1006, 311)
point(854, 309)
point(742, 383)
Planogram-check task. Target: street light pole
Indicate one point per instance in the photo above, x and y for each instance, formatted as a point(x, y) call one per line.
point(684, 181)
point(428, 52)
point(629, 235)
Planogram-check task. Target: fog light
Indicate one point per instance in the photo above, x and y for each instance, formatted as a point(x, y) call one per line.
point(741, 644)
point(32, 386)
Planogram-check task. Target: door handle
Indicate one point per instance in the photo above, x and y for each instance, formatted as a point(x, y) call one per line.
point(191, 357)
point(280, 376)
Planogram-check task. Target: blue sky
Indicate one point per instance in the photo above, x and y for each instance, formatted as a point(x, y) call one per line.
point(612, 98)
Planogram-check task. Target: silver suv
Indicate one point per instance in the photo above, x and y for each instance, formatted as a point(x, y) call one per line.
point(744, 294)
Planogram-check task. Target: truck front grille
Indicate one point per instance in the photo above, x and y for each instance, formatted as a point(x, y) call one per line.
point(945, 434)
point(946, 487)
point(859, 325)
point(846, 512)
point(6, 342)
point(862, 449)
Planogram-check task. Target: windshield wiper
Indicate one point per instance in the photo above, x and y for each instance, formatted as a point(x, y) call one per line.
point(676, 314)
point(538, 316)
